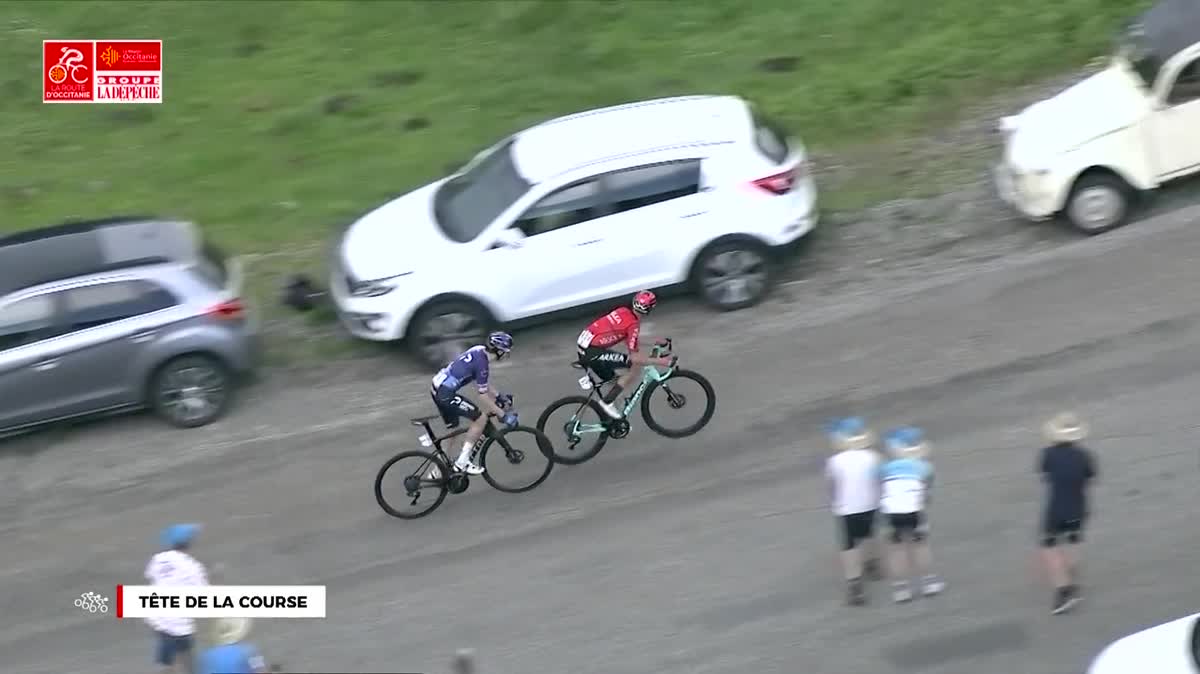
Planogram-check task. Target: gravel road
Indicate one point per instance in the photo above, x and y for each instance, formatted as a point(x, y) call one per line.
point(712, 554)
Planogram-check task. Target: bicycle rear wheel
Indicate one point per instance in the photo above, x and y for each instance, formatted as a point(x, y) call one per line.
point(515, 450)
point(425, 484)
point(566, 444)
point(678, 401)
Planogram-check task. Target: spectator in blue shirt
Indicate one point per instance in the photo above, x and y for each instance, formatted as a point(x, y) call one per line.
point(231, 654)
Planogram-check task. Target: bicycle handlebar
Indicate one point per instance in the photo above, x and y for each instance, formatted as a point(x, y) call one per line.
point(662, 347)
point(505, 405)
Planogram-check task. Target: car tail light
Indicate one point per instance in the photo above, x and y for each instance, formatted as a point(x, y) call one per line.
point(779, 183)
point(228, 310)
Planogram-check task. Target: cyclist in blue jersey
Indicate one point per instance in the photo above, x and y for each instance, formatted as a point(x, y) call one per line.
point(473, 365)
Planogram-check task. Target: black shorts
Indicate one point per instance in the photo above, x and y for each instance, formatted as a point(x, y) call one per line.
point(454, 407)
point(857, 528)
point(907, 526)
point(1054, 528)
point(604, 362)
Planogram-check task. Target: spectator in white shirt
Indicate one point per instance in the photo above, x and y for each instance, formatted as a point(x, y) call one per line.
point(907, 477)
point(174, 567)
point(853, 477)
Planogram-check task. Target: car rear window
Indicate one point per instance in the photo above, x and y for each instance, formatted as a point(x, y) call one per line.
point(212, 265)
point(466, 204)
point(770, 138)
point(104, 303)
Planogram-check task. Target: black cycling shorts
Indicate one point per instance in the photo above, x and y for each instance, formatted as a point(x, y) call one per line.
point(604, 362)
point(907, 526)
point(857, 528)
point(454, 407)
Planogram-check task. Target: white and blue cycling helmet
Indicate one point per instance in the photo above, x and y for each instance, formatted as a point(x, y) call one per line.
point(499, 343)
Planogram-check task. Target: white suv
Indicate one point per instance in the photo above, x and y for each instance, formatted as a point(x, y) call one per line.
point(1170, 648)
point(577, 210)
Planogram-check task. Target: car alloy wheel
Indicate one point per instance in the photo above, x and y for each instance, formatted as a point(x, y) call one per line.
point(733, 276)
point(191, 391)
point(445, 330)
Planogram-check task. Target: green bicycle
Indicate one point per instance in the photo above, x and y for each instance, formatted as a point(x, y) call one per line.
point(575, 429)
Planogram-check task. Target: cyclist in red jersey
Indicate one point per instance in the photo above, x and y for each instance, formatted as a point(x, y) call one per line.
point(619, 325)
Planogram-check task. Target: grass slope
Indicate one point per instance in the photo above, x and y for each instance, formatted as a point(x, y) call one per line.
point(284, 120)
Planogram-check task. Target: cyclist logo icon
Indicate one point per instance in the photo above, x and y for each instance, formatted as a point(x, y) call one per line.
point(92, 603)
point(69, 65)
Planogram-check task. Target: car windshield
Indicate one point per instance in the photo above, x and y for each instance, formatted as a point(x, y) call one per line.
point(466, 204)
point(1133, 48)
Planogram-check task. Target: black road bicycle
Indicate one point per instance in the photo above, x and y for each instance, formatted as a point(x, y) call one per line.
point(575, 429)
point(435, 474)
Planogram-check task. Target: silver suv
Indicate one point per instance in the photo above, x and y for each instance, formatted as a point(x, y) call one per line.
point(116, 315)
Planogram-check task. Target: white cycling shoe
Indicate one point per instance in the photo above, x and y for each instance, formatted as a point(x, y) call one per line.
point(469, 467)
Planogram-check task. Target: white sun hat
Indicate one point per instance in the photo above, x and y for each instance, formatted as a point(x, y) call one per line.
point(230, 630)
point(1065, 427)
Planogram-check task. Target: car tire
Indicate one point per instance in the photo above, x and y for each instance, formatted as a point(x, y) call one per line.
point(427, 339)
point(1098, 203)
point(191, 391)
point(732, 275)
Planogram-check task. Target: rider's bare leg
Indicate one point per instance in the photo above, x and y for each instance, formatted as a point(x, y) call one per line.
point(474, 431)
point(634, 373)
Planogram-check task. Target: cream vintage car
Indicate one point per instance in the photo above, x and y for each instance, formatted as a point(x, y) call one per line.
point(1087, 153)
point(1171, 648)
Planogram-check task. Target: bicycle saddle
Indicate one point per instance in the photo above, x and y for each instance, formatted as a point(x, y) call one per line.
point(420, 421)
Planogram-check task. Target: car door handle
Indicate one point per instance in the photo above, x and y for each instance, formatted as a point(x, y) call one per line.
point(692, 215)
point(144, 336)
point(46, 365)
point(588, 243)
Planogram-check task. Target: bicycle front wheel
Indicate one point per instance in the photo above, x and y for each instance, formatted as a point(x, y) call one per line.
point(516, 460)
point(679, 392)
point(421, 483)
point(575, 434)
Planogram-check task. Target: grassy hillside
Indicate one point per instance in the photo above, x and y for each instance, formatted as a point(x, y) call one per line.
point(282, 120)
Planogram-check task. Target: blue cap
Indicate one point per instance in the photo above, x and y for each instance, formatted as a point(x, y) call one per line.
point(905, 436)
point(178, 535)
point(847, 427)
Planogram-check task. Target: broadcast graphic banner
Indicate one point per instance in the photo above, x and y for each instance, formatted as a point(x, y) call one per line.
point(220, 601)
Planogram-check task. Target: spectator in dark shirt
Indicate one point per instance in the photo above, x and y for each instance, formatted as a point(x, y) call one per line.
point(1068, 469)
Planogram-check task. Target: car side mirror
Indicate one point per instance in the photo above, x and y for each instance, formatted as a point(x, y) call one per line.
point(511, 238)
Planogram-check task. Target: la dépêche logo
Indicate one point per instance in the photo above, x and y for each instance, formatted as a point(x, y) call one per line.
point(102, 71)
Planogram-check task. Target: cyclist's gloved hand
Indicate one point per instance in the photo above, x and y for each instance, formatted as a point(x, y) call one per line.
point(510, 420)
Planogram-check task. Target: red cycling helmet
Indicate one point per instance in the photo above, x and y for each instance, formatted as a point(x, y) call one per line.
point(644, 302)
